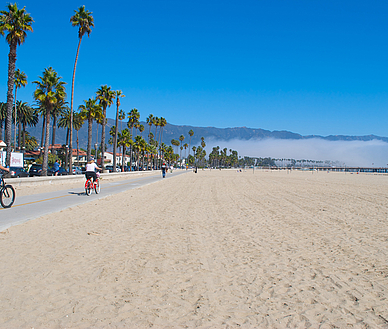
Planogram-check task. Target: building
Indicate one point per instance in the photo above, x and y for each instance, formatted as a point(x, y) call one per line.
point(109, 158)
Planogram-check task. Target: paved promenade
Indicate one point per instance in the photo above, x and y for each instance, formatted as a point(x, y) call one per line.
point(28, 207)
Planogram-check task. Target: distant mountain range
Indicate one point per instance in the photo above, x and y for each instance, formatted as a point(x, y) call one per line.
point(173, 132)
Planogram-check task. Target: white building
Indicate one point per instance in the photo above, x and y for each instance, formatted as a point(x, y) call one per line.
point(109, 158)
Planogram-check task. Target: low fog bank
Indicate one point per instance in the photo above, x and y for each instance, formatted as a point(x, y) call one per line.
point(351, 153)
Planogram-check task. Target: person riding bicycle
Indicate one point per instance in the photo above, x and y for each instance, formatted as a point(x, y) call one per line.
point(91, 168)
point(3, 168)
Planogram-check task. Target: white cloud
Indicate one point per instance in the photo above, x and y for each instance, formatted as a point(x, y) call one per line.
point(352, 153)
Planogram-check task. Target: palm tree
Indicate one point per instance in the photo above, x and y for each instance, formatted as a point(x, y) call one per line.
point(30, 142)
point(20, 81)
point(203, 144)
point(118, 95)
point(85, 21)
point(191, 134)
point(16, 22)
point(139, 146)
point(181, 138)
point(150, 122)
point(122, 116)
point(49, 92)
point(125, 140)
point(105, 97)
point(133, 119)
point(90, 111)
point(175, 142)
point(162, 124)
point(185, 145)
point(194, 149)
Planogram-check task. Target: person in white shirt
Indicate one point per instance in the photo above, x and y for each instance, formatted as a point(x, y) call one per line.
point(91, 168)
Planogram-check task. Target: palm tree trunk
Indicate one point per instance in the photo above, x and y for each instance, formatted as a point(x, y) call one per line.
point(16, 111)
point(46, 145)
point(54, 129)
point(19, 133)
point(10, 84)
point(103, 139)
point(67, 143)
point(77, 155)
point(115, 137)
point(89, 150)
point(43, 129)
point(71, 107)
point(131, 151)
point(24, 137)
point(122, 159)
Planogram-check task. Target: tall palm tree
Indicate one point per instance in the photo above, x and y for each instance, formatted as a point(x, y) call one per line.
point(139, 146)
point(90, 111)
point(49, 92)
point(133, 119)
point(119, 94)
point(16, 22)
point(185, 146)
point(125, 140)
point(105, 97)
point(20, 81)
point(85, 21)
point(122, 116)
point(150, 122)
point(191, 134)
point(162, 124)
point(181, 139)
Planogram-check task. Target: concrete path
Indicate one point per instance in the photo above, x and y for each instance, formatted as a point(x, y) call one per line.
point(29, 207)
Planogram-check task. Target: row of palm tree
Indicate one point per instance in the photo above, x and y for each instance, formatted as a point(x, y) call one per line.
point(50, 96)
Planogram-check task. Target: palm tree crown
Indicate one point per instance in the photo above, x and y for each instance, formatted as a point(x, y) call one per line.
point(84, 20)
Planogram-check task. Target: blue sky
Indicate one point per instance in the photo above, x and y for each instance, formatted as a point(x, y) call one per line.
point(310, 67)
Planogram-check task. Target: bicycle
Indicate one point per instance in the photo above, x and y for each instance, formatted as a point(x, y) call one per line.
point(92, 185)
point(7, 193)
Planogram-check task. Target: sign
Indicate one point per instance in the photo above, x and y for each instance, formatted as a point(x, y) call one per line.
point(16, 159)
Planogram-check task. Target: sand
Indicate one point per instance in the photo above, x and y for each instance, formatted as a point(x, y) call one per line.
point(216, 249)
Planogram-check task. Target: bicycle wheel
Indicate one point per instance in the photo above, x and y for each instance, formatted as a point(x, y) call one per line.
point(88, 188)
point(7, 196)
point(97, 186)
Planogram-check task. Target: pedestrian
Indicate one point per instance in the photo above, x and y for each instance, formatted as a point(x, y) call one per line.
point(56, 167)
point(164, 169)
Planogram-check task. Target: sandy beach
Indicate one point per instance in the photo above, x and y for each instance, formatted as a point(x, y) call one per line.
point(216, 249)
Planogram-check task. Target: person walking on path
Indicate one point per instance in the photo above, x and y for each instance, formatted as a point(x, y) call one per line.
point(164, 169)
point(56, 167)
